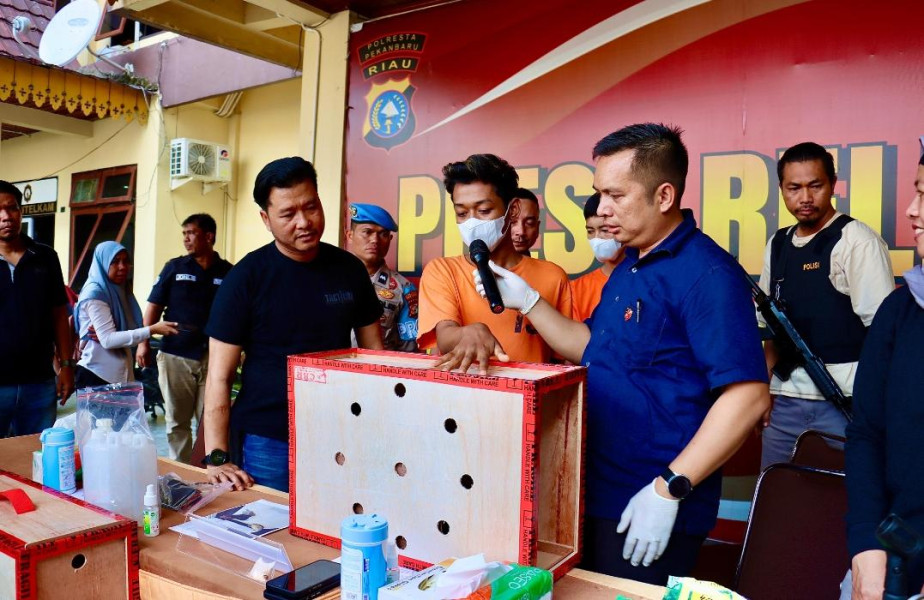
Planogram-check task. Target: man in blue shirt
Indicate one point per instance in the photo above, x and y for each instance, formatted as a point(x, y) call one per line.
point(676, 375)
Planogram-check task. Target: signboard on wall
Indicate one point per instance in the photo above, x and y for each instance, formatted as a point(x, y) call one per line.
point(39, 196)
point(538, 83)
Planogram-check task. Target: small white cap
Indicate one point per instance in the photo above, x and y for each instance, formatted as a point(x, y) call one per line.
point(150, 495)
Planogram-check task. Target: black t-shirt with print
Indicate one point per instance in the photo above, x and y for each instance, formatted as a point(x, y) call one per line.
point(273, 307)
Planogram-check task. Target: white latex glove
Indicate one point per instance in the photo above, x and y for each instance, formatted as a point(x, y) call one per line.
point(649, 517)
point(514, 290)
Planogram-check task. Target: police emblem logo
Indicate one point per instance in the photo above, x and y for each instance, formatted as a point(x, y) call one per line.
point(627, 316)
point(390, 120)
point(387, 294)
point(411, 298)
point(393, 284)
point(353, 212)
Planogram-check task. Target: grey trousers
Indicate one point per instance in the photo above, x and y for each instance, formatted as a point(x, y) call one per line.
point(789, 418)
point(182, 382)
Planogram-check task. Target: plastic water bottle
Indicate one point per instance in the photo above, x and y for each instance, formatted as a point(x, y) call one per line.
point(362, 556)
point(58, 459)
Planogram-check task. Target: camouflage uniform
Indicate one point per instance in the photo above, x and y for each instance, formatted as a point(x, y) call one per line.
point(399, 300)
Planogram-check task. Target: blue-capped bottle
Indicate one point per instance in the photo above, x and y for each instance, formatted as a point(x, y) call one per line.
point(362, 556)
point(58, 459)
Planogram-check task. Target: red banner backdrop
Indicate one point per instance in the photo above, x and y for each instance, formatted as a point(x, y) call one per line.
point(539, 82)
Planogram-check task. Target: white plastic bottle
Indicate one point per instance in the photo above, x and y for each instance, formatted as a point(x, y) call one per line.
point(143, 469)
point(97, 466)
point(121, 491)
point(151, 511)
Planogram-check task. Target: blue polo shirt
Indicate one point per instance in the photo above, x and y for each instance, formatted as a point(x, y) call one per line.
point(671, 330)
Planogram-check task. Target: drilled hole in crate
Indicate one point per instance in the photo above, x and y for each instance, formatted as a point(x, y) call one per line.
point(78, 561)
point(400, 542)
point(467, 481)
point(355, 408)
point(400, 390)
point(443, 527)
point(340, 458)
point(450, 425)
point(400, 469)
point(357, 509)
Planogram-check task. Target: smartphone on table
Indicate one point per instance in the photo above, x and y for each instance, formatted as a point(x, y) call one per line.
point(309, 581)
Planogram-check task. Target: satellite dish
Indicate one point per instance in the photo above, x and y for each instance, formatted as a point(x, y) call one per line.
point(69, 32)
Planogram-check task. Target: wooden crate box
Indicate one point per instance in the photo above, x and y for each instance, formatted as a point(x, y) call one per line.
point(65, 548)
point(458, 464)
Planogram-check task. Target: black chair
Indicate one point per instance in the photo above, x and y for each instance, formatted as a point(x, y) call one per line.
point(796, 542)
point(820, 450)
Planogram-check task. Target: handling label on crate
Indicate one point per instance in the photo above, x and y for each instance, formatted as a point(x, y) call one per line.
point(309, 374)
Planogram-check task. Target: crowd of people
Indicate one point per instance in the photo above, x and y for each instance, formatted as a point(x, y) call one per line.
point(677, 374)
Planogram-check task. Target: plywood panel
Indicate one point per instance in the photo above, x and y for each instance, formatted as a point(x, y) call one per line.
point(561, 437)
point(421, 361)
point(89, 573)
point(409, 434)
point(53, 517)
point(7, 576)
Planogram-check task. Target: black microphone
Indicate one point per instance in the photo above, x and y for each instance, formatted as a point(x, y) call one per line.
point(902, 544)
point(480, 256)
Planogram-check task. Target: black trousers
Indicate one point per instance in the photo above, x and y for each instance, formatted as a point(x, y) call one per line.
point(84, 378)
point(603, 554)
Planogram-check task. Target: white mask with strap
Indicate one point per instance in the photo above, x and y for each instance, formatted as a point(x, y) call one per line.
point(604, 249)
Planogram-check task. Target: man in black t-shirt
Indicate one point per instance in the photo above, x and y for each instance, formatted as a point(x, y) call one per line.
point(186, 288)
point(33, 325)
point(294, 295)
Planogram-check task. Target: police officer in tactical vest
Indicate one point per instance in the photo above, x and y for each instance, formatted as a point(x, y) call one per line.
point(830, 272)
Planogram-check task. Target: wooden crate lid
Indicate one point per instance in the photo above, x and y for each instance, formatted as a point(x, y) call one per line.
point(52, 518)
point(406, 360)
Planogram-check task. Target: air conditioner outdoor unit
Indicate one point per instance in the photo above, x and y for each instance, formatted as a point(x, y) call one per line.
point(200, 161)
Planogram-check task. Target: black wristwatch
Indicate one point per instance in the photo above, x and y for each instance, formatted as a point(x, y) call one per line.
point(678, 485)
point(216, 458)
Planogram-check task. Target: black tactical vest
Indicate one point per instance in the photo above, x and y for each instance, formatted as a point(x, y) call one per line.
point(799, 278)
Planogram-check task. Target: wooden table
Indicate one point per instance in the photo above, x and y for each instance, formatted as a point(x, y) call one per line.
point(167, 574)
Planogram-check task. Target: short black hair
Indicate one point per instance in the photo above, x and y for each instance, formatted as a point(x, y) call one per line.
point(8, 188)
point(282, 173)
point(203, 221)
point(591, 206)
point(805, 152)
point(525, 194)
point(660, 155)
point(486, 168)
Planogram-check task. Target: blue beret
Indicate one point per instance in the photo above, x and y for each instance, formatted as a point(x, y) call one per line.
point(370, 213)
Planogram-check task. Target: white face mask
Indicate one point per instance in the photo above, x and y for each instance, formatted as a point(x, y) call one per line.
point(604, 249)
point(490, 232)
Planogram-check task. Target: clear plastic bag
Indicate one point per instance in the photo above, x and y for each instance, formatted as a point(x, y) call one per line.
point(188, 497)
point(116, 447)
point(121, 403)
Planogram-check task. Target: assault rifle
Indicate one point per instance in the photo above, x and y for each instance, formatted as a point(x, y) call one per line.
point(794, 352)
